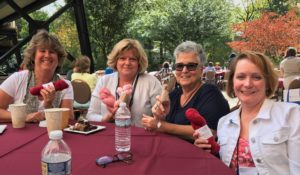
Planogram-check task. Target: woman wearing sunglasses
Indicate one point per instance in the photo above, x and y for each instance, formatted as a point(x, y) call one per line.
point(192, 93)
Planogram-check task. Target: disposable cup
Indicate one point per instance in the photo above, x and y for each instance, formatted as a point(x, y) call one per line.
point(65, 118)
point(53, 119)
point(18, 115)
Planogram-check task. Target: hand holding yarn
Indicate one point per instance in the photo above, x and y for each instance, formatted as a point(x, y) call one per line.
point(58, 85)
point(107, 98)
point(199, 124)
point(125, 93)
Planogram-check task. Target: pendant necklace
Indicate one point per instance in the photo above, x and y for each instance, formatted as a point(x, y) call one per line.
point(189, 97)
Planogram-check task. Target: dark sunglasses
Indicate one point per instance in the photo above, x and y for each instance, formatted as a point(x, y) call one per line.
point(189, 66)
point(122, 156)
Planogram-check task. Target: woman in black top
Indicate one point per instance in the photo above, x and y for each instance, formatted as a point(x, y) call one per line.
point(192, 93)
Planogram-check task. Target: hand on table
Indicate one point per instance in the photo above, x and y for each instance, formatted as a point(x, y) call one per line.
point(149, 123)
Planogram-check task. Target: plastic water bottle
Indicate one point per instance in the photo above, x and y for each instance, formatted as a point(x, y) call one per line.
point(56, 156)
point(122, 129)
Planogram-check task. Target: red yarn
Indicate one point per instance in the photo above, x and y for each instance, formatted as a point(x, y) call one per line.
point(197, 122)
point(58, 85)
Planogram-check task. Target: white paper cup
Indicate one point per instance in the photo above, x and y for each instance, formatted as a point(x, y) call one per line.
point(65, 117)
point(18, 115)
point(53, 119)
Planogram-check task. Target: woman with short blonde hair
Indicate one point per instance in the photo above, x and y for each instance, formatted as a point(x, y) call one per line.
point(130, 62)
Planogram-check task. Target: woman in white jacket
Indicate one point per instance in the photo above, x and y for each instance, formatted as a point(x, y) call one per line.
point(262, 136)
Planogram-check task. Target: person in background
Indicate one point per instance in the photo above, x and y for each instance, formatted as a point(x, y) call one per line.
point(166, 76)
point(290, 66)
point(192, 93)
point(261, 136)
point(81, 71)
point(231, 59)
point(130, 62)
point(108, 70)
point(210, 67)
point(43, 59)
point(218, 67)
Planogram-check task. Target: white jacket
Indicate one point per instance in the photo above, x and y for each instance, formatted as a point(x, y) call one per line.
point(274, 138)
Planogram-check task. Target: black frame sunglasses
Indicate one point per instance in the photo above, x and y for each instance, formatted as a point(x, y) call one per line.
point(103, 161)
point(189, 66)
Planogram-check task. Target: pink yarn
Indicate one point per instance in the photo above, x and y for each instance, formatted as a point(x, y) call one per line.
point(127, 89)
point(109, 100)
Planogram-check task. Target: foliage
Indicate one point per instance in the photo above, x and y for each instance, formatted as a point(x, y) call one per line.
point(278, 6)
point(107, 23)
point(65, 29)
point(170, 22)
point(271, 34)
point(23, 27)
point(250, 9)
point(253, 9)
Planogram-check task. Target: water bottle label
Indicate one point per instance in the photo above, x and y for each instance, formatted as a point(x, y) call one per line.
point(61, 168)
point(123, 122)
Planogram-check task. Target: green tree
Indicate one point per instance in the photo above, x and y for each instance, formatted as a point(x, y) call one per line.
point(170, 22)
point(278, 6)
point(23, 25)
point(107, 23)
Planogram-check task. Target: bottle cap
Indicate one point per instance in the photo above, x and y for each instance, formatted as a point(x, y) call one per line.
point(56, 135)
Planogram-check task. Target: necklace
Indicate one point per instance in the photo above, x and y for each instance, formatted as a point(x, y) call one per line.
point(190, 96)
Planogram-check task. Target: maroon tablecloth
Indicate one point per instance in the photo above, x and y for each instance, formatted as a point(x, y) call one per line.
point(14, 139)
point(153, 153)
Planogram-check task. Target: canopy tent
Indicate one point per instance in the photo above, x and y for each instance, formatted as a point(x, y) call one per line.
point(11, 10)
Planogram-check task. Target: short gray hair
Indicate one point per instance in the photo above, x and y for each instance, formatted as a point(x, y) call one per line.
point(190, 46)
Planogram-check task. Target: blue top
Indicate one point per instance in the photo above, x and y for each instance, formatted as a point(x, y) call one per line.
point(208, 101)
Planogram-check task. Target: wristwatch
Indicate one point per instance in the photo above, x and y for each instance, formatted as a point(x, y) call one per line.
point(158, 125)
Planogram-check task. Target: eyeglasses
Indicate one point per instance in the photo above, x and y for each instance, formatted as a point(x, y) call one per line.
point(189, 66)
point(122, 156)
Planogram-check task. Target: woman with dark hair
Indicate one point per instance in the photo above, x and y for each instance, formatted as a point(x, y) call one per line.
point(290, 66)
point(261, 136)
point(43, 59)
point(81, 71)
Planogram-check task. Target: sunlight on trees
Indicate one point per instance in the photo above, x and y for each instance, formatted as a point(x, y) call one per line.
point(270, 34)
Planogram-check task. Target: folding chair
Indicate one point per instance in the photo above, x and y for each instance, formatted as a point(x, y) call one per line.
point(82, 96)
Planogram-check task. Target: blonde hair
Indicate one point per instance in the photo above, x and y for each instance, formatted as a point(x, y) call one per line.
point(125, 45)
point(43, 39)
point(264, 65)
